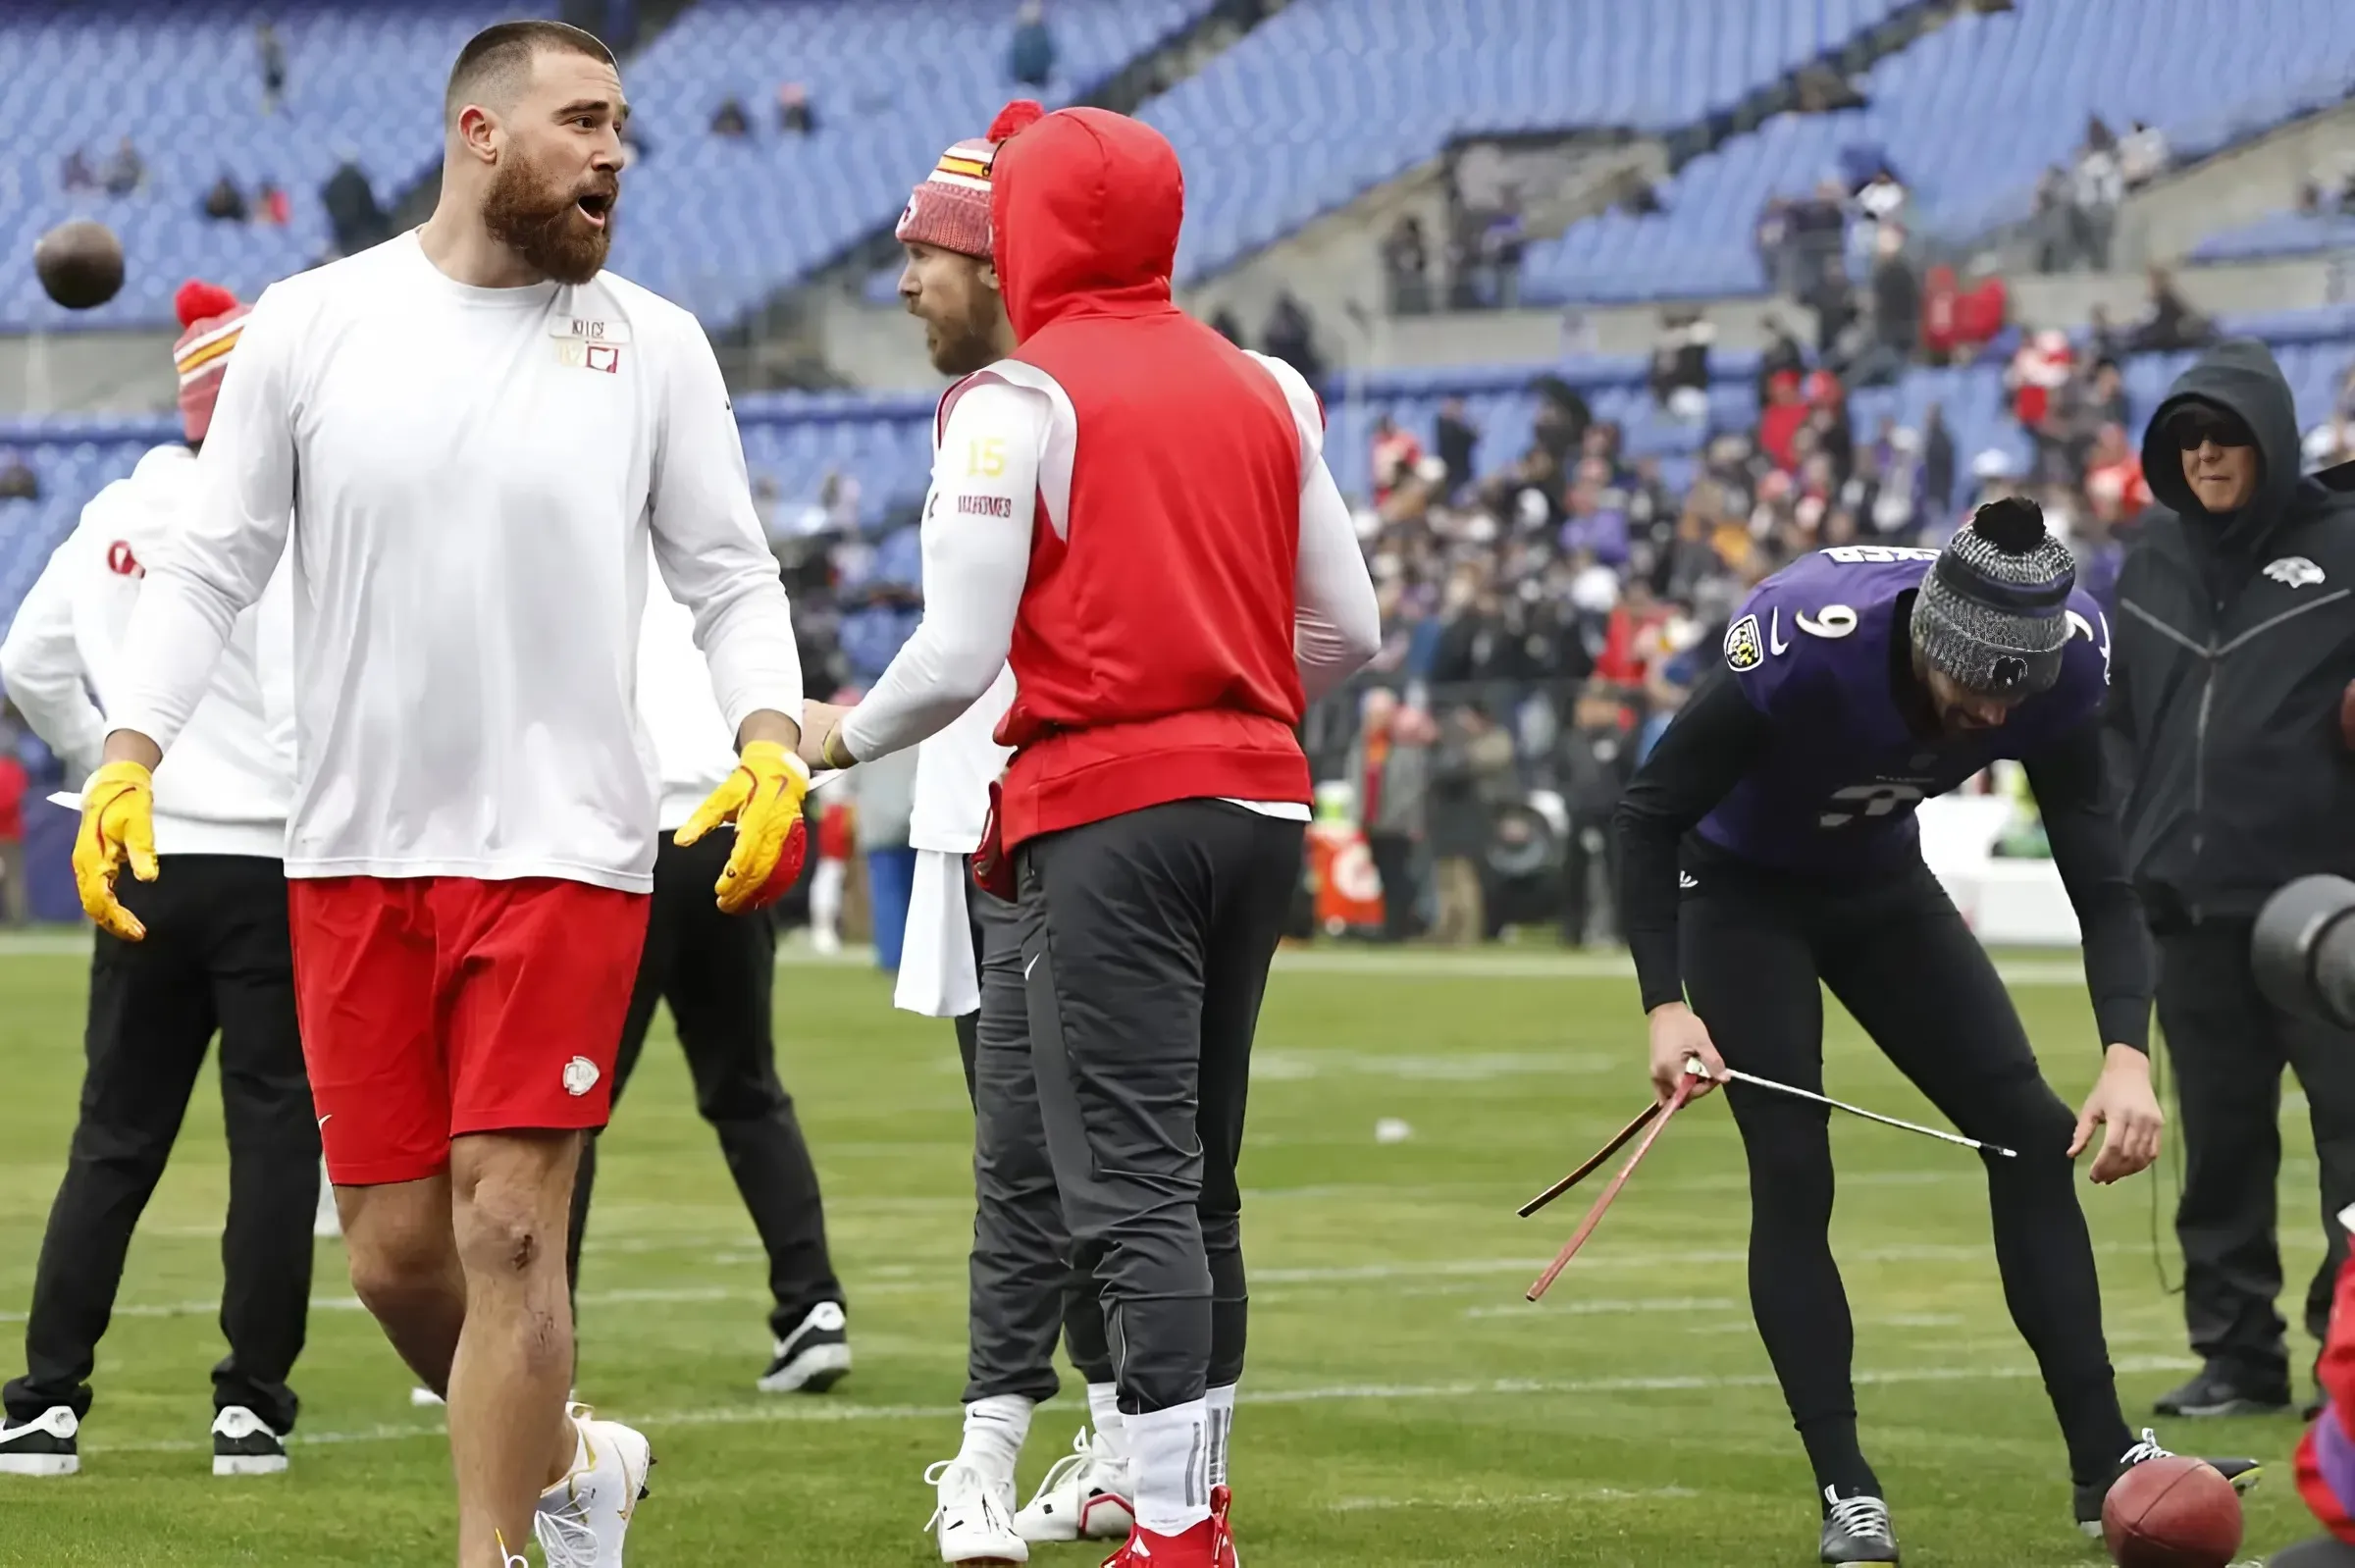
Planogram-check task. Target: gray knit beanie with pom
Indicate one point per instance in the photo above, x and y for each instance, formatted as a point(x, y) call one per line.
point(1993, 610)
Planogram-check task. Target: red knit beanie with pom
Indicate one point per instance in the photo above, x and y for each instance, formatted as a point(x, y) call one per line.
point(210, 319)
point(951, 208)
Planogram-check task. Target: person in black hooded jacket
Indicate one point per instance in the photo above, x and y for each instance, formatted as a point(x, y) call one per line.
point(2235, 648)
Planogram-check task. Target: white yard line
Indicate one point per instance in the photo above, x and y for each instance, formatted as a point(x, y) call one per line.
point(1412, 963)
point(820, 1412)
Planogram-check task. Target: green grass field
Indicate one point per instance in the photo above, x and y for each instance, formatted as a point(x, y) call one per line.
point(1404, 1405)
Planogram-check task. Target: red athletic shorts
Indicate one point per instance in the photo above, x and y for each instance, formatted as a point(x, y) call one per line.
point(433, 1006)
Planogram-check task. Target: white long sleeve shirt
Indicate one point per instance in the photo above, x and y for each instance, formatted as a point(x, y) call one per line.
point(954, 770)
point(226, 787)
point(976, 546)
point(467, 478)
point(692, 750)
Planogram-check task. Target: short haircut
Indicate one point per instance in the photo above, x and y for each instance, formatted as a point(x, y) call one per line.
point(498, 61)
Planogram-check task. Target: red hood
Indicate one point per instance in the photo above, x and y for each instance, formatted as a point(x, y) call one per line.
point(1084, 208)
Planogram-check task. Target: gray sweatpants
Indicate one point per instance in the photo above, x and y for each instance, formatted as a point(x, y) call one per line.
point(1021, 1285)
point(1145, 946)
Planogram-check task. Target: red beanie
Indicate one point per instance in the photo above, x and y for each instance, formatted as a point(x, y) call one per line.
point(951, 208)
point(211, 319)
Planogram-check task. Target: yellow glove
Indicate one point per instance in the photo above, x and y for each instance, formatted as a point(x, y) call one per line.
point(118, 819)
point(763, 799)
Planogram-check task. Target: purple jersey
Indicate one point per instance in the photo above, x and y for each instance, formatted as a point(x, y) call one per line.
point(1811, 650)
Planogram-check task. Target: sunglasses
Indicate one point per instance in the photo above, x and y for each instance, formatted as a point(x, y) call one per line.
point(2194, 428)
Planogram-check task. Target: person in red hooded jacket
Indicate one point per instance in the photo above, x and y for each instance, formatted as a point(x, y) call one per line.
point(2326, 1458)
point(1147, 531)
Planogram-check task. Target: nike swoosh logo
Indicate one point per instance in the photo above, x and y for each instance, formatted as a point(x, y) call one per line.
point(1774, 632)
point(325, 1120)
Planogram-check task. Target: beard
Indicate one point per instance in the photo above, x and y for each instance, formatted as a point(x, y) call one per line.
point(968, 341)
point(530, 215)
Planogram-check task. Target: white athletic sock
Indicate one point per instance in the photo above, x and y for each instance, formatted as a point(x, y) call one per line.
point(994, 1429)
point(1169, 1450)
point(1220, 1402)
point(1104, 1408)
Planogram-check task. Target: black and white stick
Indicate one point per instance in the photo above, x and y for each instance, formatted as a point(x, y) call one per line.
point(1737, 1075)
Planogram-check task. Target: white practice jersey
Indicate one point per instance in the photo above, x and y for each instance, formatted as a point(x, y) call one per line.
point(692, 748)
point(226, 787)
point(467, 477)
point(954, 770)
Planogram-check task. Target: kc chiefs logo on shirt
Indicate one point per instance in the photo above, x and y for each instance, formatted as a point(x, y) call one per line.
point(590, 345)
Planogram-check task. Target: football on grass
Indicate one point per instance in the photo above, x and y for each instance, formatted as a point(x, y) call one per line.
point(81, 263)
point(2173, 1512)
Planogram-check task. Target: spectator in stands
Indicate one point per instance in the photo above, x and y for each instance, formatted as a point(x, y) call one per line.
point(1455, 438)
point(1896, 312)
point(75, 174)
point(1679, 375)
point(2039, 370)
point(1031, 57)
point(2114, 482)
point(1818, 238)
point(1389, 764)
point(2172, 323)
point(2142, 155)
point(2103, 340)
point(1395, 456)
point(2051, 225)
point(1562, 417)
point(353, 213)
point(1470, 777)
point(729, 118)
point(2105, 398)
point(1502, 241)
point(1222, 323)
point(18, 481)
point(1778, 422)
point(1407, 265)
point(1828, 421)
point(1292, 337)
point(2096, 188)
point(273, 55)
point(272, 206)
point(225, 202)
point(1938, 465)
point(1781, 355)
point(1598, 757)
point(1770, 240)
point(16, 904)
point(796, 116)
point(126, 171)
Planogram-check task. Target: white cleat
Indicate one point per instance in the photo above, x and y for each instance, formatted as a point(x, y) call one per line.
point(974, 1516)
point(582, 1519)
point(1084, 1497)
point(42, 1446)
point(245, 1445)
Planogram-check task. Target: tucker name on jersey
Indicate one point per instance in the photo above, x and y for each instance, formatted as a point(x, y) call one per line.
point(1835, 790)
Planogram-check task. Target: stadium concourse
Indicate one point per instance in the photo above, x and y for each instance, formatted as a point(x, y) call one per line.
point(1938, 196)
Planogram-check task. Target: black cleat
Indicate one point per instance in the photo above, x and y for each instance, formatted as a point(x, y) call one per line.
point(2218, 1391)
point(1856, 1528)
point(2242, 1473)
point(42, 1446)
point(245, 1445)
point(814, 1357)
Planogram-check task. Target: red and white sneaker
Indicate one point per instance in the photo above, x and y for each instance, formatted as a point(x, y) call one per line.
point(1208, 1545)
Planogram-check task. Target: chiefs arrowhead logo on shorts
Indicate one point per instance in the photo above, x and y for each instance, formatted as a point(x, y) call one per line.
point(1742, 650)
point(2294, 571)
point(580, 1077)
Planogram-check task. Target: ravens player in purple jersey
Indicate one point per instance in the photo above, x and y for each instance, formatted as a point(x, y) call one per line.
point(1858, 682)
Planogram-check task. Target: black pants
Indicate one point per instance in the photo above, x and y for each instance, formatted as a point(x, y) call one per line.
point(1578, 875)
point(2325, 1551)
point(1022, 1284)
point(717, 972)
point(1146, 942)
point(1393, 856)
point(2227, 1046)
point(1899, 959)
point(217, 957)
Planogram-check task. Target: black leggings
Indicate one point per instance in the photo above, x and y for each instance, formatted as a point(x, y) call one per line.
point(1897, 956)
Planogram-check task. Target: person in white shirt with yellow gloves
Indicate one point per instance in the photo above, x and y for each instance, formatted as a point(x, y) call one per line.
point(215, 956)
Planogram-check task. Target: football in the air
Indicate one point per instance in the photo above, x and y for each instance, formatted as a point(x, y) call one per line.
point(2175, 1512)
point(81, 263)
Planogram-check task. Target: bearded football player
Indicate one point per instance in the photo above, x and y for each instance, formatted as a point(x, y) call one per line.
point(1769, 849)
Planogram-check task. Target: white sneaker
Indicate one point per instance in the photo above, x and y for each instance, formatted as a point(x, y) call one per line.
point(582, 1518)
point(975, 1516)
point(42, 1446)
point(245, 1445)
point(1086, 1496)
point(814, 1357)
